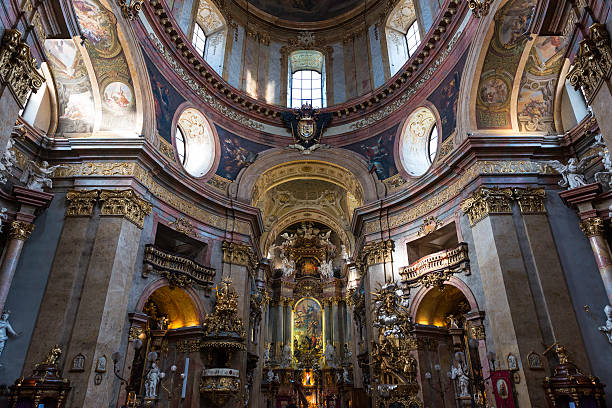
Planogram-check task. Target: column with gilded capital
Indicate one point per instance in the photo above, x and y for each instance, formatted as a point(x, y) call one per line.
point(102, 308)
point(20, 231)
point(510, 306)
point(594, 230)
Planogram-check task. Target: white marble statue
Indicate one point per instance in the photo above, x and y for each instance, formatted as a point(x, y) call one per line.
point(287, 357)
point(345, 376)
point(343, 252)
point(7, 161)
point(330, 354)
point(458, 374)
point(288, 266)
point(270, 376)
point(572, 172)
point(3, 217)
point(327, 269)
point(5, 330)
point(38, 176)
point(607, 328)
point(153, 377)
point(267, 353)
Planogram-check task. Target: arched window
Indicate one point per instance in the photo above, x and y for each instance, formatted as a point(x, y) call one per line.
point(413, 38)
point(181, 150)
point(403, 34)
point(306, 88)
point(306, 79)
point(199, 39)
point(432, 146)
point(209, 35)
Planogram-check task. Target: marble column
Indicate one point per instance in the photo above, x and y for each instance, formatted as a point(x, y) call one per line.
point(20, 231)
point(549, 287)
point(335, 326)
point(594, 230)
point(509, 301)
point(63, 292)
point(102, 309)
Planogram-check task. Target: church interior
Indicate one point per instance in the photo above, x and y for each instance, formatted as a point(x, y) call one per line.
point(305, 203)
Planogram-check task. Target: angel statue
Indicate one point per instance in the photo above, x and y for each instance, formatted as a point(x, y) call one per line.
point(288, 267)
point(572, 172)
point(327, 269)
point(36, 177)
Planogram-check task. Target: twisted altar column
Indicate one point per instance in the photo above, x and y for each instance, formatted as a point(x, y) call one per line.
point(20, 231)
point(594, 230)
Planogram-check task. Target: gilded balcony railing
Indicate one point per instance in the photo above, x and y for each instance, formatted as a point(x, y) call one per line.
point(436, 268)
point(178, 270)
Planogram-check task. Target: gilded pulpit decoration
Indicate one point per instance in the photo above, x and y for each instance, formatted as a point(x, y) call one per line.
point(430, 224)
point(487, 201)
point(81, 202)
point(178, 270)
point(21, 230)
point(125, 203)
point(17, 67)
point(593, 61)
point(477, 332)
point(224, 327)
point(592, 227)
point(306, 125)
point(378, 252)
point(394, 367)
point(530, 201)
point(238, 254)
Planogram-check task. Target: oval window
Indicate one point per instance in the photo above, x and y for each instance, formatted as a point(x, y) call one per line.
point(195, 143)
point(419, 142)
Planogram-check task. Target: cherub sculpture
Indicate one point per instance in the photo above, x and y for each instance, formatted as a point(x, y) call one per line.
point(38, 176)
point(572, 172)
point(607, 327)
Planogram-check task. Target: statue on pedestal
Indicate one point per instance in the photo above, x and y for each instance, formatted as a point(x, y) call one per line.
point(153, 377)
point(330, 354)
point(327, 269)
point(607, 327)
point(5, 330)
point(287, 357)
point(458, 374)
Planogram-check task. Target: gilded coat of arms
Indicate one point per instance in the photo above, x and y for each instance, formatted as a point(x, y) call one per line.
point(306, 125)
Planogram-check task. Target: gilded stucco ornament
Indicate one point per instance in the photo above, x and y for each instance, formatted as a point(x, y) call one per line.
point(17, 67)
point(378, 252)
point(182, 225)
point(437, 268)
point(593, 62)
point(239, 254)
point(130, 8)
point(530, 200)
point(125, 203)
point(480, 8)
point(178, 270)
point(21, 230)
point(487, 201)
point(81, 202)
point(592, 227)
point(430, 224)
point(224, 327)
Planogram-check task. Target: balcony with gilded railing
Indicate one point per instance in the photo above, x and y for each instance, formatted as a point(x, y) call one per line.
point(177, 269)
point(443, 263)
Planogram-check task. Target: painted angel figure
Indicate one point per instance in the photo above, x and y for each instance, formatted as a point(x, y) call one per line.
point(38, 176)
point(572, 172)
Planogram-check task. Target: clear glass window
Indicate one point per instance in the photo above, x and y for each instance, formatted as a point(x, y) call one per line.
point(179, 139)
point(306, 87)
point(432, 146)
point(199, 39)
point(413, 38)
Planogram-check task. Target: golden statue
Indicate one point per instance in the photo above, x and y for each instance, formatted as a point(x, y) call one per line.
point(53, 356)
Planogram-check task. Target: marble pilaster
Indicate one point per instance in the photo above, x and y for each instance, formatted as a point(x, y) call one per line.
point(20, 231)
point(594, 230)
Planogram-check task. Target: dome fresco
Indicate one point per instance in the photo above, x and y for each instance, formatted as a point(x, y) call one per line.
point(305, 204)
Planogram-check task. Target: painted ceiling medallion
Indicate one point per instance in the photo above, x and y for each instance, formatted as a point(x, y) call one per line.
point(306, 125)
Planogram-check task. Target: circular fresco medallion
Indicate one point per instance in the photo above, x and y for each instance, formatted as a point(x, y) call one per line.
point(118, 96)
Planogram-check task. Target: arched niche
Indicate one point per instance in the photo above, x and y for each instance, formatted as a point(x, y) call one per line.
point(181, 306)
point(431, 306)
point(338, 166)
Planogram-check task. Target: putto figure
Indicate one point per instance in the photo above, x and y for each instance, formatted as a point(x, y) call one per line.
point(38, 176)
point(572, 172)
point(5, 330)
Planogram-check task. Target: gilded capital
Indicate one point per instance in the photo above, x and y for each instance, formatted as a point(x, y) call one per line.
point(530, 200)
point(592, 227)
point(378, 252)
point(125, 203)
point(238, 254)
point(135, 332)
point(81, 202)
point(593, 61)
point(487, 201)
point(21, 230)
point(17, 67)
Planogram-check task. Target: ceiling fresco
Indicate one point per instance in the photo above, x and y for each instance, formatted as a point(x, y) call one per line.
point(306, 10)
